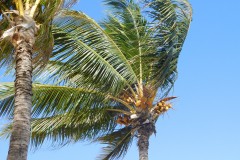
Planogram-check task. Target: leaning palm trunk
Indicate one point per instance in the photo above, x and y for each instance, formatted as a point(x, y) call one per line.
point(23, 40)
point(144, 134)
point(18, 19)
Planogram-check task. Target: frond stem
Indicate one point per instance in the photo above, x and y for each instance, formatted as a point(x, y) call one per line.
point(34, 7)
point(19, 6)
point(27, 7)
point(131, 89)
point(123, 102)
point(140, 83)
point(114, 44)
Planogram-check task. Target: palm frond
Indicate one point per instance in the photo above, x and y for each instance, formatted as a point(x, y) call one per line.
point(44, 15)
point(6, 99)
point(81, 45)
point(171, 21)
point(49, 100)
point(117, 143)
point(5, 131)
point(71, 127)
point(126, 25)
point(69, 3)
point(6, 48)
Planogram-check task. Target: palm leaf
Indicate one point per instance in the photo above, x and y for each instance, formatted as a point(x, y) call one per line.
point(117, 143)
point(81, 45)
point(5, 131)
point(69, 127)
point(44, 16)
point(49, 100)
point(128, 28)
point(6, 99)
point(171, 19)
point(72, 127)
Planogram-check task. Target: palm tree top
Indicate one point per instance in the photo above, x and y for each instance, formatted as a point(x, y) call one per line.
point(42, 13)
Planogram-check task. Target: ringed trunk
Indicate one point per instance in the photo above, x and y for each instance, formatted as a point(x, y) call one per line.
point(144, 134)
point(23, 40)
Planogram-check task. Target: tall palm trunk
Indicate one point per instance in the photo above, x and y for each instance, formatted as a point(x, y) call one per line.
point(23, 40)
point(144, 134)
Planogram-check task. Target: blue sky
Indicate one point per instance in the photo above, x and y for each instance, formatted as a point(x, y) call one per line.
point(205, 122)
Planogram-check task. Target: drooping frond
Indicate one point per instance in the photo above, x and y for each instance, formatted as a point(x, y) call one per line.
point(82, 46)
point(69, 3)
point(66, 114)
point(171, 21)
point(6, 53)
point(69, 127)
point(49, 100)
point(44, 15)
point(5, 131)
point(6, 99)
point(117, 143)
point(6, 48)
point(72, 127)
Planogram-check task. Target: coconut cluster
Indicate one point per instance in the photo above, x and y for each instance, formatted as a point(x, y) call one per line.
point(129, 100)
point(162, 107)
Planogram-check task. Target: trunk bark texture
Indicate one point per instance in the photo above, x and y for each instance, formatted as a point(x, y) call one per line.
point(23, 40)
point(144, 134)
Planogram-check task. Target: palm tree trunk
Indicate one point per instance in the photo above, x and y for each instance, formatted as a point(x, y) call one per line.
point(23, 41)
point(144, 134)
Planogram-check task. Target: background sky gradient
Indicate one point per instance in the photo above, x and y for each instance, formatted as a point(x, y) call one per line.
point(205, 122)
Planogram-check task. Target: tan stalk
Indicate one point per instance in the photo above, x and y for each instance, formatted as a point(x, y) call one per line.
point(140, 85)
point(131, 89)
point(141, 75)
point(27, 7)
point(123, 102)
point(16, 3)
point(19, 6)
point(34, 7)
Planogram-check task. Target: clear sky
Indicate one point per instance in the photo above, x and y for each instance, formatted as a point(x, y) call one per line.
point(205, 122)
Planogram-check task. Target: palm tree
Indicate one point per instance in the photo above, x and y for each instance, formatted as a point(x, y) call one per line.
point(111, 85)
point(25, 33)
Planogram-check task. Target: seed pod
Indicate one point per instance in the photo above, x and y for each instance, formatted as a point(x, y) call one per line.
point(138, 103)
point(159, 104)
point(128, 100)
